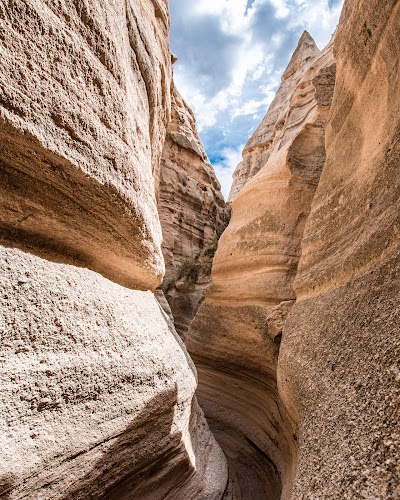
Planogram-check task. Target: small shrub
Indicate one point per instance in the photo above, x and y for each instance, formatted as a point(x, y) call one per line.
point(226, 215)
point(188, 268)
point(206, 268)
point(210, 251)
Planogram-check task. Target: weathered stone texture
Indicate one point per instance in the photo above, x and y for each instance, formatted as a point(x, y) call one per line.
point(339, 368)
point(96, 388)
point(280, 118)
point(97, 391)
point(84, 103)
point(190, 207)
point(234, 339)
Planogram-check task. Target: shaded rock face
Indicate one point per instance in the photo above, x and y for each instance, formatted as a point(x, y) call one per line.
point(339, 364)
point(191, 209)
point(97, 390)
point(235, 337)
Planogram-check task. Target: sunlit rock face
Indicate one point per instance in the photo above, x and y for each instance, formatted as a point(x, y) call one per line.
point(235, 337)
point(96, 388)
point(191, 209)
point(275, 124)
point(84, 109)
point(338, 367)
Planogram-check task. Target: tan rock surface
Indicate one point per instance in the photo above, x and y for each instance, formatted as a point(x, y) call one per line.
point(191, 208)
point(84, 102)
point(339, 369)
point(97, 392)
point(280, 118)
point(96, 388)
point(234, 339)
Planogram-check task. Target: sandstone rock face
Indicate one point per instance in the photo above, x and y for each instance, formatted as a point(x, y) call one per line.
point(96, 388)
point(97, 396)
point(280, 118)
point(339, 363)
point(235, 337)
point(84, 107)
point(191, 208)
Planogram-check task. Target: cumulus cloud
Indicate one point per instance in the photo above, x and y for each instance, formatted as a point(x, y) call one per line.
point(231, 56)
point(225, 166)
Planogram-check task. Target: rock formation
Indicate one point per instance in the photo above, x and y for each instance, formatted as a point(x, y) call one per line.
point(251, 291)
point(97, 390)
point(313, 389)
point(297, 342)
point(339, 373)
point(191, 209)
point(276, 123)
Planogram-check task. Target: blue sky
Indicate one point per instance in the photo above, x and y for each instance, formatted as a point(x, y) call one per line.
point(231, 55)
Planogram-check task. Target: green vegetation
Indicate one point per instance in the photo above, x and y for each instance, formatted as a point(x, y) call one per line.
point(188, 268)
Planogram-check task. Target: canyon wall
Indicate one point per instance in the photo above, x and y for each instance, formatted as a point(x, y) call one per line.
point(339, 367)
point(235, 337)
point(191, 209)
point(297, 343)
point(97, 390)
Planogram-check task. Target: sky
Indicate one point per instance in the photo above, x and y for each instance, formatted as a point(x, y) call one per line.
point(231, 55)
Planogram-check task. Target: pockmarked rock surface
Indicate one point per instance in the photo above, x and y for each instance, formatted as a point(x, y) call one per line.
point(339, 372)
point(191, 209)
point(97, 396)
point(84, 105)
point(96, 388)
point(235, 337)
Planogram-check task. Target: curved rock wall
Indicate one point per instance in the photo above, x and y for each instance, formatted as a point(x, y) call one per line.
point(85, 99)
point(339, 363)
point(191, 208)
point(235, 337)
point(97, 390)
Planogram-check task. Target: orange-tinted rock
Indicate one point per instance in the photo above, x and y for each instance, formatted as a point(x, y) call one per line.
point(235, 337)
point(276, 123)
point(339, 362)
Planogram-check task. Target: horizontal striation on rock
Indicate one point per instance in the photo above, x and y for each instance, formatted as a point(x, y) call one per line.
point(191, 209)
point(83, 110)
point(339, 361)
point(97, 390)
point(235, 337)
point(279, 119)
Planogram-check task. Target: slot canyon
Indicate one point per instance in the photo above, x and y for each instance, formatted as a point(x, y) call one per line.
point(158, 342)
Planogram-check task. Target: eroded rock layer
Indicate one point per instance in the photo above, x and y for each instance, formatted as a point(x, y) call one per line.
point(96, 388)
point(84, 108)
point(235, 337)
point(339, 367)
point(191, 208)
point(97, 391)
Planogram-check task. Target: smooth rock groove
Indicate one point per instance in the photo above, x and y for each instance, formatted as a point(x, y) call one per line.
point(96, 388)
point(235, 337)
point(191, 208)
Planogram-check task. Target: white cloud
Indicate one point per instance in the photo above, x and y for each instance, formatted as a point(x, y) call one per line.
point(231, 60)
point(224, 168)
point(252, 106)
